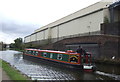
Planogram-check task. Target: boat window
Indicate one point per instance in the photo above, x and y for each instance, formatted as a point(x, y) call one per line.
point(59, 56)
point(45, 54)
point(26, 51)
point(36, 53)
point(32, 52)
point(84, 60)
point(51, 55)
point(29, 52)
point(88, 55)
point(82, 55)
point(88, 60)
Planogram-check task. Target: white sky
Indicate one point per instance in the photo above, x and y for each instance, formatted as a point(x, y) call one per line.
point(36, 12)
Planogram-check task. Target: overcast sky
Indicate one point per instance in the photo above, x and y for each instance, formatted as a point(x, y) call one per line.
point(19, 18)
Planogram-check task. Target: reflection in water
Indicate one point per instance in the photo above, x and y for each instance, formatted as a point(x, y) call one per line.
point(42, 71)
point(116, 77)
point(113, 69)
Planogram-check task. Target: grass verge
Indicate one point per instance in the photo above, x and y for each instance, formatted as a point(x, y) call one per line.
point(12, 72)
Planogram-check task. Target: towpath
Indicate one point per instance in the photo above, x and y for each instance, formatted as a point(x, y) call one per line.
point(3, 75)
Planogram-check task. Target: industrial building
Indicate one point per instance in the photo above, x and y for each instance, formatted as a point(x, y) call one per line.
point(87, 22)
point(81, 22)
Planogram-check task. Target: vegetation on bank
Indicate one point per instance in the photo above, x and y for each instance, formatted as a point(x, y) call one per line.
point(16, 49)
point(12, 73)
point(18, 44)
point(2, 45)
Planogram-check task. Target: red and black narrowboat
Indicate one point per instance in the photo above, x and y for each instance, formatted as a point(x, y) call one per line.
point(69, 57)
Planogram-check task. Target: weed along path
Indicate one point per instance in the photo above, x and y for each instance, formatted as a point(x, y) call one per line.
point(10, 73)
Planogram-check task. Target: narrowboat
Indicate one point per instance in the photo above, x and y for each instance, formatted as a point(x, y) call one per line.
point(68, 58)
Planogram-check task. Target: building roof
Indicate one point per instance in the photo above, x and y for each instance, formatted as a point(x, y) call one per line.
point(84, 11)
point(117, 3)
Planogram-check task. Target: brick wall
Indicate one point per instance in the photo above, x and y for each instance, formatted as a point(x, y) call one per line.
point(111, 28)
point(108, 45)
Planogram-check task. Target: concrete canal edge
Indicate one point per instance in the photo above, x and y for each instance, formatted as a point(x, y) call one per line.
point(10, 73)
point(108, 61)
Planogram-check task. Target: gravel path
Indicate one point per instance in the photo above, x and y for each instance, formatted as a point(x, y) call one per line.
point(3, 75)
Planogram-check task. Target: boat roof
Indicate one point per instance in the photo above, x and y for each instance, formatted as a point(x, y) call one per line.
point(52, 51)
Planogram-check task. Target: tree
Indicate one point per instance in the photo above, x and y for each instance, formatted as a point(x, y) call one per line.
point(12, 45)
point(18, 43)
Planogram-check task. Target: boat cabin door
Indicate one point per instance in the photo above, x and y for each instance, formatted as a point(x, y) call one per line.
point(86, 58)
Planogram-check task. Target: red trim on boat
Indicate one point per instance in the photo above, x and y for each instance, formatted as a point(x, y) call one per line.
point(54, 60)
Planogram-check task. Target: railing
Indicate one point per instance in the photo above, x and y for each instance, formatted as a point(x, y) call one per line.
point(53, 40)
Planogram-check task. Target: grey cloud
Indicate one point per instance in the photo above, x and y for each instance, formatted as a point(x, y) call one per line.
point(13, 28)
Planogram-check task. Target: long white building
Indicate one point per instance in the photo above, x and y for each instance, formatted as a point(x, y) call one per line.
point(82, 22)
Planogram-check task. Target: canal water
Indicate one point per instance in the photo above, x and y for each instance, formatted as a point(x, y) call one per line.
point(44, 71)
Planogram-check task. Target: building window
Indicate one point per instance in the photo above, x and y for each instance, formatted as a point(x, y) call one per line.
point(59, 56)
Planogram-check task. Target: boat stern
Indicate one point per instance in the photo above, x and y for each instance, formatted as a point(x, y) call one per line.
point(89, 68)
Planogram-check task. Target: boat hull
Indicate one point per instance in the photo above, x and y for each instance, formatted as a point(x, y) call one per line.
point(50, 62)
point(58, 58)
